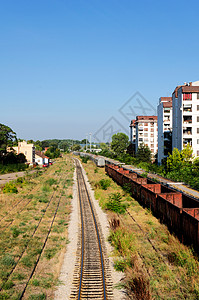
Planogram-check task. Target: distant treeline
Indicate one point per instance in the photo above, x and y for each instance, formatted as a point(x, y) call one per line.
point(63, 145)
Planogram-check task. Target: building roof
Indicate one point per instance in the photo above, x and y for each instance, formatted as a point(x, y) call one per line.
point(166, 99)
point(41, 154)
point(176, 90)
point(146, 118)
point(190, 89)
point(132, 123)
point(167, 104)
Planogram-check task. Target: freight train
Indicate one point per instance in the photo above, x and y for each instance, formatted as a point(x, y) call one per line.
point(177, 210)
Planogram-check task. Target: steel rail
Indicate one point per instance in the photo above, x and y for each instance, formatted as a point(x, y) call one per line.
point(80, 176)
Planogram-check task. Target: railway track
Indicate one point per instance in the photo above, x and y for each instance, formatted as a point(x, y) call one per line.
point(92, 278)
point(32, 236)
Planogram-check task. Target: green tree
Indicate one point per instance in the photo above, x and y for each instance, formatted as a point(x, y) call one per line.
point(84, 141)
point(187, 154)
point(120, 142)
point(180, 159)
point(7, 138)
point(174, 160)
point(143, 153)
point(64, 145)
point(52, 152)
point(76, 147)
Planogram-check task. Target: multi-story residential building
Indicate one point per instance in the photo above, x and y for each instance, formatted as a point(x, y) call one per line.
point(185, 100)
point(133, 135)
point(147, 132)
point(27, 149)
point(164, 127)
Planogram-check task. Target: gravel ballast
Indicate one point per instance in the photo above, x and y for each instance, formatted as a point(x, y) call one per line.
point(66, 276)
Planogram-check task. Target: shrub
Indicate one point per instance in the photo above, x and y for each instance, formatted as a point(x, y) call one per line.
point(115, 203)
point(20, 180)
point(51, 181)
point(15, 231)
point(10, 188)
point(121, 265)
point(85, 159)
point(8, 285)
point(104, 183)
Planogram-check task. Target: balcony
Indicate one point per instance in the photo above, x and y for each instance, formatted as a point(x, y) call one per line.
point(187, 119)
point(187, 108)
point(167, 111)
point(187, 130)
point(186, 142)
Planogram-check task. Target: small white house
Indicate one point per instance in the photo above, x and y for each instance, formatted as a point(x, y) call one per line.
point(41, 158)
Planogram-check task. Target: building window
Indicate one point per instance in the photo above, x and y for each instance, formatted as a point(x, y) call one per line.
point(197, 130)
point(197, 95)
point(197, 119)
point(146, 134)
point(197, 141)
point(197, 153)
point(187, 96)
point(197, 107)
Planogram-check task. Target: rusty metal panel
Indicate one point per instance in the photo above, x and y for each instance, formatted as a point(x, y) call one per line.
point(190, 227)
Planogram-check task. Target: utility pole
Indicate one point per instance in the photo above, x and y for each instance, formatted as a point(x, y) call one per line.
point(86, 142)
point(90, 141)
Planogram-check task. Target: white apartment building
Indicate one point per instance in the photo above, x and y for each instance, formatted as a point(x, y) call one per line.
point(164, 127)
point(185, 101)
point(132, 131)
point(133, 134)
point(147, 132)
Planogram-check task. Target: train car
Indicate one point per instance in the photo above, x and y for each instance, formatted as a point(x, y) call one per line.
point(149, 194)
point(169, 210)
point(190, 227)
point(179, 211)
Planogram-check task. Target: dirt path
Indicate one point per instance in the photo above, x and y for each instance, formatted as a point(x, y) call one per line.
point(4, 178)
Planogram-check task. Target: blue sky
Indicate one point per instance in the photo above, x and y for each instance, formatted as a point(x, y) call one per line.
point(66, 66)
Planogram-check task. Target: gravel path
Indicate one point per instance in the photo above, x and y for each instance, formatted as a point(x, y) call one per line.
point(66, 276)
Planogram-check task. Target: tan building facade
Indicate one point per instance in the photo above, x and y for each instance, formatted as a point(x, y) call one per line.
point(27, 149)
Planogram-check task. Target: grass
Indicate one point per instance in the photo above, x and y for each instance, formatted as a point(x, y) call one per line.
point(33, 196)
point(156, 265)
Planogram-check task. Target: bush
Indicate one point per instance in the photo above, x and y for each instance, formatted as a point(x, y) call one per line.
point(115, 203)
point(20, 180)
point(12, 168)
point(85, 159)
point(104, 183)
point(8, 285)
point(10, 188)
point(15, 231)
point(51, 181)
